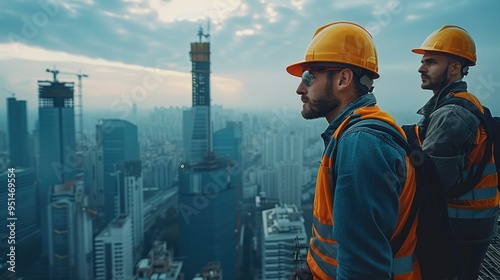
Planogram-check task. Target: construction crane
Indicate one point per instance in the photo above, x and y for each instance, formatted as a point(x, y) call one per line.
point(201, 34)
point(13, 94)
point(79, 95)
point(54, 73)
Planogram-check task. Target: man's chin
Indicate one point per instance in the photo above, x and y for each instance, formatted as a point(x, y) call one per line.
point(308, 115)
point(425, 86)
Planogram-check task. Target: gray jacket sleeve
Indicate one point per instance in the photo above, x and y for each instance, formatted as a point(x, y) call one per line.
point(449, 137)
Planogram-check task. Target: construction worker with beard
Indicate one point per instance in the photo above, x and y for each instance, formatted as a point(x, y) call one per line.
point(365, 183)
point(455, 139)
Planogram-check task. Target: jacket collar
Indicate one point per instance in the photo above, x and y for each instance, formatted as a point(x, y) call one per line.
point(437, 99)
point(362, 101)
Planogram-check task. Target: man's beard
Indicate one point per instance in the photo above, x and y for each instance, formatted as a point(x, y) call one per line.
point(321, 106)
point(438, 82)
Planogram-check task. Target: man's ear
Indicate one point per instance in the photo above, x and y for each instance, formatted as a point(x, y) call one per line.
point(345, 77)
point(456, 67)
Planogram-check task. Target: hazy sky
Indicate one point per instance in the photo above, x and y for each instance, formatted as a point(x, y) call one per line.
point(137, 51)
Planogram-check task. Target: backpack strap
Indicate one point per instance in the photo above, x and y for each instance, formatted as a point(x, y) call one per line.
point(487, 121)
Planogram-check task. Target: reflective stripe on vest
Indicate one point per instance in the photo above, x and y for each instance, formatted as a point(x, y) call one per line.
point(325, 267)
point(401, 265)
point(489, 169)
point(325, 231)
point(471, 214)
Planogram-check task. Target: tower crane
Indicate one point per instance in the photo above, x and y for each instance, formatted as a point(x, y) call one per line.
point(201, 34)
point(13, 94)
point(54, 73)
point(79, 104)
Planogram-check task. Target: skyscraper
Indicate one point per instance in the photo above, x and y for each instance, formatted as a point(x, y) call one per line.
point(26, 224)
point(18, 133)
point(113, 250)
point(197, 133)
point(208, 184)
point(228, 141)
point(56, 138)
point(130, 200)
point(289, 182)
point(94, 178)
point(70, 237)
point(118, 142)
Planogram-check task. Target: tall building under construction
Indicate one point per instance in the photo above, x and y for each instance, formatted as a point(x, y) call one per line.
point(208, 187)
point(56, 159)
point(197, 132)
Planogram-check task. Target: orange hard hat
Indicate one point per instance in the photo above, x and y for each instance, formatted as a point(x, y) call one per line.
point(339, 43)
point(452, 40)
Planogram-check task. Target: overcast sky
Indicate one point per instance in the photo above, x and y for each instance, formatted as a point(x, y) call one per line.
point(137, 51)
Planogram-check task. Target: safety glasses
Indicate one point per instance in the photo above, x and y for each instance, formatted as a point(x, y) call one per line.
point(308, 77)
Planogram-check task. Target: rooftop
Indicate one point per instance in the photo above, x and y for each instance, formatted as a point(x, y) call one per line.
point(282, 220)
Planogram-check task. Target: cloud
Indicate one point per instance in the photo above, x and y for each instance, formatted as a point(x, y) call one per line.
point(413, 17)
point(245, 32)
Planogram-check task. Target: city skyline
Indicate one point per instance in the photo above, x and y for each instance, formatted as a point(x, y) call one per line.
point(135, 51)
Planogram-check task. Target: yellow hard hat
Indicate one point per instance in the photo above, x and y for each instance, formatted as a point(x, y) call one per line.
point(452, 40)
point(340, 43)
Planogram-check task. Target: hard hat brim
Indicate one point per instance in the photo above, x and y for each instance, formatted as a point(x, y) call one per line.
point(423, 50)
point(297, 68)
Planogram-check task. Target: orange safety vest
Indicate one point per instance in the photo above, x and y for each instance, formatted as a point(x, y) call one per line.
point(320, 259)
point(483, 200)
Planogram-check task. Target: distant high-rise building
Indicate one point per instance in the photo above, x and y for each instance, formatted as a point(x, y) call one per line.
point(27, 226)
point(113, 250)
point(281, 226)
point(70, 237)
point(159, 173)
point(289, 182)
point(118, 141)
point(262, 202)
point(18, 133)
point(130, 200)
point(272, 150)
point(293, 147)
point(197, 132)
point(268, 181)
point(282, 147)
point(94, 178)
point(228, 141)
point(56, 143)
